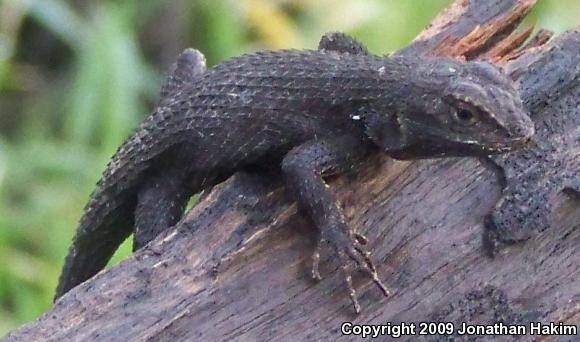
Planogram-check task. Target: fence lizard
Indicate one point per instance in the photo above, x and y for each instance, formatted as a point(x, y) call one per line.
point(311, 114)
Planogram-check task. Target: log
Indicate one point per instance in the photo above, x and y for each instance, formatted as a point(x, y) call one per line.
point(237, 266)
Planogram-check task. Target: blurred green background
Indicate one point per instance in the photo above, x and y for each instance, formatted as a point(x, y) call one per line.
point(77, 76)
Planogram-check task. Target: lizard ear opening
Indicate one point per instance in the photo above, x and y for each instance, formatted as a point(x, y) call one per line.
point(384, 130)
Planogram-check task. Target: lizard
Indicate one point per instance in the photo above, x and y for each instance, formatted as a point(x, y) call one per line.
point(310, 114)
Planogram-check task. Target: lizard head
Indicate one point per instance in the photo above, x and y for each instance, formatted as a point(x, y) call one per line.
point(460, 109)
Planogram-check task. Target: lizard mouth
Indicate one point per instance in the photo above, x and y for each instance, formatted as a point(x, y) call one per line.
point(498, 149)
point(513, 145)
point(424, 150)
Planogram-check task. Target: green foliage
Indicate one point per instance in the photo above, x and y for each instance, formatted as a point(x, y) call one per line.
point(68, 101)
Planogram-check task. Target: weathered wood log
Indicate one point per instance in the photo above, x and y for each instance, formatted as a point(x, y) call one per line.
point(237, 266)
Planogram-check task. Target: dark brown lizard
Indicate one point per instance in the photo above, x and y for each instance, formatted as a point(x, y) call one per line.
point(307, 113)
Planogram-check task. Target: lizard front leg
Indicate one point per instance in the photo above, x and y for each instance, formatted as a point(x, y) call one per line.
point(304, 170)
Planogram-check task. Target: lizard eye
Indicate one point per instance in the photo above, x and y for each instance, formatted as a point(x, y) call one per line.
point(466, 115)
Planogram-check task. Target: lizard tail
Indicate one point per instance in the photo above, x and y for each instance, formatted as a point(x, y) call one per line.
point(108, 218)
point(94, 244)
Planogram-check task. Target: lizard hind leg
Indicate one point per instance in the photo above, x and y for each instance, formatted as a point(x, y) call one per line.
point(341, 42)
point(163, 197)
point(161, 202)
point(189, 66)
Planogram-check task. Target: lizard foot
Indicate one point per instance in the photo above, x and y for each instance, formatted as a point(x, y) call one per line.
point(352, 256)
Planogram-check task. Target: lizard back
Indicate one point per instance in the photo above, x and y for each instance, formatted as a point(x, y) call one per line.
point(274, 99)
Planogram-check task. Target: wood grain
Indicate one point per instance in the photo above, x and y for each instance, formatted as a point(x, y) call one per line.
point(237, 266)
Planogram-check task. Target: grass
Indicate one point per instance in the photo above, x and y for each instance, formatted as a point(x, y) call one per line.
point(75, 81)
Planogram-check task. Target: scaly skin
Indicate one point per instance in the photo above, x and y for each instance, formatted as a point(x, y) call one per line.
point(312, 113)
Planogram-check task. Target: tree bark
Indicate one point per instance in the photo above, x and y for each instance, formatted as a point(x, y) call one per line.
point(237, 266)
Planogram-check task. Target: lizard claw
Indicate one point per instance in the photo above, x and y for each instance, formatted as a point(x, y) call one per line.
point(352, 256)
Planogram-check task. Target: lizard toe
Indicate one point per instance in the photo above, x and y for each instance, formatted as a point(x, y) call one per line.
point(352, 256)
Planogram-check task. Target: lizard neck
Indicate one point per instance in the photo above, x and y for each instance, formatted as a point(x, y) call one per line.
point(382, 117)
